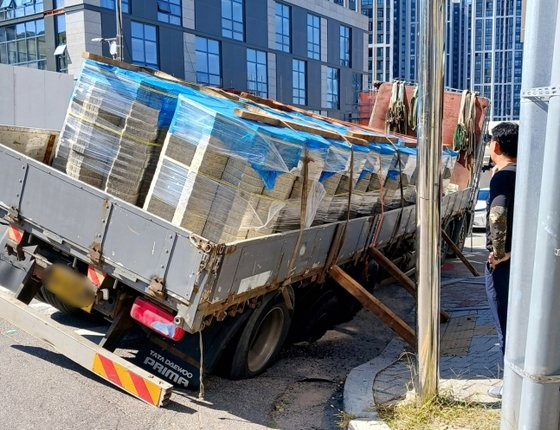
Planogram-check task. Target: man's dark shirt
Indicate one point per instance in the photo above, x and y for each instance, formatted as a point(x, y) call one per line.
point(499, 211)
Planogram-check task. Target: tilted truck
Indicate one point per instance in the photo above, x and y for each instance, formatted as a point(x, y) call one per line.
point(202, 305)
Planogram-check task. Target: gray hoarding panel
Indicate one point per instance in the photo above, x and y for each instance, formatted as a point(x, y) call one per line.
point(411, 225)
point(355, 237)
point(12, 175)
point(182, 271)
point(259, 263)
point(65, 208)
point(388, 221)
point(138, 244)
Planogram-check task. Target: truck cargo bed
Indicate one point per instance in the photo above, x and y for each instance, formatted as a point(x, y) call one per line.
point(198, 278)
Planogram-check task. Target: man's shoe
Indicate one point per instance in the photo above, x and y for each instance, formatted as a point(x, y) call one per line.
point(496, 391)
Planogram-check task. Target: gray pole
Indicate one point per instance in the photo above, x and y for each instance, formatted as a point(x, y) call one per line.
point(430, 118)
point(540, 398)
point(119, 37)
point(537, 66)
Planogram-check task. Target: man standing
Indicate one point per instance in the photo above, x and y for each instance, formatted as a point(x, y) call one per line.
point(499, 222)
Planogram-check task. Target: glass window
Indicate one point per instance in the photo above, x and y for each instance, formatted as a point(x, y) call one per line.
point(110, 4)
point(299, 93)
point(332, 88)
point(345, 46)
point(313, 37)
point(169, 11)
point(208, 68)
point(60, 39)
point(10, 9)
point(282, 23)
point(232, 19)
point(144, 44)
point(24, 44)
point(257, 80)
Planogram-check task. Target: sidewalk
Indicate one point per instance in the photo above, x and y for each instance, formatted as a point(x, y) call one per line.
point(470, 359)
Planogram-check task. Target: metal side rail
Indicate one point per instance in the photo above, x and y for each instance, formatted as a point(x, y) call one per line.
point(90, 356)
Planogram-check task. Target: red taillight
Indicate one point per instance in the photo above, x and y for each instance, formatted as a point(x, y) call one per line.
point(155, 318)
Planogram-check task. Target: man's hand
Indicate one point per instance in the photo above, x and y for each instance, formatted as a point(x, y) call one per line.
point(494, 262)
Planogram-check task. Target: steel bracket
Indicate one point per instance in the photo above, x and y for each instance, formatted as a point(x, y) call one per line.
point(157, 288)
point(541, 93)
point(95, 253)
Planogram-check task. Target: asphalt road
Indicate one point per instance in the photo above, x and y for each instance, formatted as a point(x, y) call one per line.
point(303, 390)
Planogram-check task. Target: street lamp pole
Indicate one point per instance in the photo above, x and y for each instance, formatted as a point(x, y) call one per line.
point(119, 37)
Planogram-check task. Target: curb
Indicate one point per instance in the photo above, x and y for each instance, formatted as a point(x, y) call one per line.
point(358, 388)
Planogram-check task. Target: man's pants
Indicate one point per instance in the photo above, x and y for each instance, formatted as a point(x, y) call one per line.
point(497, 290)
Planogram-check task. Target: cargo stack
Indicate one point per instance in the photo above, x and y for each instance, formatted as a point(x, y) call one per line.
point(338, 207)
point(205, 181)
point(110, 135)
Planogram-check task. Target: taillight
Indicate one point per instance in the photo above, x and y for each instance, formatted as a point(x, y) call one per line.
point(155, 318)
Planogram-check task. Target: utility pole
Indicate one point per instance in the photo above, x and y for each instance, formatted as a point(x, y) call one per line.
point(428, 218)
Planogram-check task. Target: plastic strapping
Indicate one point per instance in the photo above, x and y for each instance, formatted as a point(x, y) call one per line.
point(539, 379)
point(201, 371)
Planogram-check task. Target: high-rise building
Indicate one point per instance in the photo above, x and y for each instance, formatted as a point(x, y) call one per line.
point(497, 55)
point(310, 53)
point(483, 47)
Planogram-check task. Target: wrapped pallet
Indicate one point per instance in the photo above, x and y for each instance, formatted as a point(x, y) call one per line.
point(347, 184)
point(110, 135)
point(400, 186)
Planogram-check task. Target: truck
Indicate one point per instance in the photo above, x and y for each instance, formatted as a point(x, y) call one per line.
point(202, 306)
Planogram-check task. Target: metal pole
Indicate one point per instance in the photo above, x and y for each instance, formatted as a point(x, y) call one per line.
point(119, 37)
point(540, 398)
point(430, 117)
point(537, 66)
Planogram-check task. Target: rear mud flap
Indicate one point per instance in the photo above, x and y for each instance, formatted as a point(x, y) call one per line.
point(179, 362)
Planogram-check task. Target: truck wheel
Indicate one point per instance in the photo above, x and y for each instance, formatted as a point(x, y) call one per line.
point(48, 297)
point(262, 337)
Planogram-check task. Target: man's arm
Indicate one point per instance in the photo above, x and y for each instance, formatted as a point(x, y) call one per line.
point(497, 219)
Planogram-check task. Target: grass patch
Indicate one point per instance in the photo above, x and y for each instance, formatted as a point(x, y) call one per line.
point(344, 419)
point(442, 412)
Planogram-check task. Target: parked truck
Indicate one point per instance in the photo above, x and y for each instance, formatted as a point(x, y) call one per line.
point(203, 305)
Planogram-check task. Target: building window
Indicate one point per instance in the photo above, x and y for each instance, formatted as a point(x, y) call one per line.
point(339, 2)
point(144, 44)
point(257, 81)
point(313, 37)
point(345, 45)
point(60, 39)
point(10, 9)
point(282, 27)
point(208, 70)
point(23, 44)
point(332, 88)
point(169, 11)
point(299, 93)
point(110, 4)
point(232, 19)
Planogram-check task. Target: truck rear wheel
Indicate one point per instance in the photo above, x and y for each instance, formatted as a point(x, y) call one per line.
point(48, 297)
point(262, 337)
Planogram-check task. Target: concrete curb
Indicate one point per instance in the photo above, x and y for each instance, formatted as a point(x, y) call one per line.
point(358, 388)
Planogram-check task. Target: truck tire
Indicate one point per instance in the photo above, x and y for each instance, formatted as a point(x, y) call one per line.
point(261, 338)
point(48, 297)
